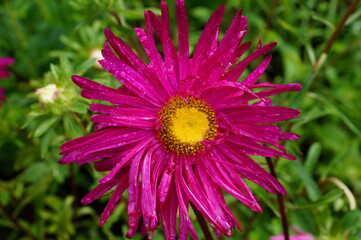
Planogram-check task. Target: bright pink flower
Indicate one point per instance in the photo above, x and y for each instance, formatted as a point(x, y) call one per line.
point(4, 62)
point(182, 127)
point(301, 235)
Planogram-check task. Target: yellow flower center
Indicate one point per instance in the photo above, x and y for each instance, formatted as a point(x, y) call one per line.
point(186, 123)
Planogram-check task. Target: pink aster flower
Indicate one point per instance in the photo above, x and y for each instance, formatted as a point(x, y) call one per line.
point(182, 128)
point(4, 62)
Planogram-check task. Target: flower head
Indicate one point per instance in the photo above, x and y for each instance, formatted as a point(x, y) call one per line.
point(4, 62)
point(97, 55)
point(47, 94)
point(182, 128)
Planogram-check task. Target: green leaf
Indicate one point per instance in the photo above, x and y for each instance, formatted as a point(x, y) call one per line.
point(35, 172)
point(310, 185)
point(312, 157)
point(4, 198)
point(351, 220)
point(33, 191)
point(72, 127)
point(82, 68)
point(45, 142)
point(44, 126)
point(324, 200)
point(79, 107)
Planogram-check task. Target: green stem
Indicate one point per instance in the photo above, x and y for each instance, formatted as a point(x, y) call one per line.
point(203, 223)
point(281, 203)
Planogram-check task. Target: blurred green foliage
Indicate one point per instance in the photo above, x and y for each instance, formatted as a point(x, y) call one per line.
point(52, 40)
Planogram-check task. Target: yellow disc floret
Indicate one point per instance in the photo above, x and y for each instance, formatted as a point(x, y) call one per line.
point(186, 123)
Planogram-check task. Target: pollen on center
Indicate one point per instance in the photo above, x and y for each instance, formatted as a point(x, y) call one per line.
point(186, 123)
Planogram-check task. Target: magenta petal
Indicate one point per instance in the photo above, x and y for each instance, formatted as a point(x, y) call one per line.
point(102, 188)
point(237, 71)
point(148, 198)
point(114, 199)
point(183, 42)
point(256, 74)
point(203, 47)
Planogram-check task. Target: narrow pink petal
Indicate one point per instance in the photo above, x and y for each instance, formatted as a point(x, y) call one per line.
point(166, 180)
point(168, 213)
point(236, 29)
point(122, 49)
point(132, 80)
point(95, 156)
point(118, 99)
point(157, 64)
point(107, 164)
point(127, 159)
point(109, 53)
point(250, 147)
point(123, 121)
point(121, 111)
point(183, 41)
point(134, 199)
point(185, 224)
point(102, 188)
point(240, 50)
point(114, 199)
point(203, 47)
point(236, 72)
point(246, 167)
point(270, 92)
point(85, 83)
point(107, 141)
point(191, 186)
point(149, 196)
point(170, 53)
point(256, 74)
point(255, 114)
point(137, 63)
point(213, 194)
point(232, 185)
